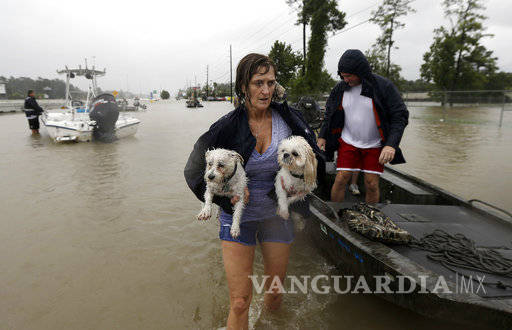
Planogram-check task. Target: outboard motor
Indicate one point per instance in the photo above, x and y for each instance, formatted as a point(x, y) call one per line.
point(105, 112)
point(310, 110)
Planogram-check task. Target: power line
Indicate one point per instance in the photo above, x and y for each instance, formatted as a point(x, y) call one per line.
point(362, 10)
point(248, 38)
point(360, 23)
point(248, 42)
point(221, 76)
point(349, 28)
point(351, 15)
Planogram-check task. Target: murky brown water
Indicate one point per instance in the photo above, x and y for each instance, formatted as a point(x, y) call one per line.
point(103, 236)
point(462, 150)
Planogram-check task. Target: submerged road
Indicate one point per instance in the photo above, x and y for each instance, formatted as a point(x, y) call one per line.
point(103, 236)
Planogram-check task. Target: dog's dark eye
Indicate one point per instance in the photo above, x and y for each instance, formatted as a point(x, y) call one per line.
point(295, 153)
point(210, 164)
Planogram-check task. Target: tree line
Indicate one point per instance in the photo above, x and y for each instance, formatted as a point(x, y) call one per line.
point(16, 88)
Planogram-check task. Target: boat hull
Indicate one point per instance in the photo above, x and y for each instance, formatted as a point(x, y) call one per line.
point(355, 255)
point(60, 133)
point(127, 130)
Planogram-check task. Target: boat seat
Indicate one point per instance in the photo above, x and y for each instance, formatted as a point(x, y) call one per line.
point(399, 190)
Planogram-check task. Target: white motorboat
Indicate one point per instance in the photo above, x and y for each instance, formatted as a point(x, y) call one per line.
point(97, 118)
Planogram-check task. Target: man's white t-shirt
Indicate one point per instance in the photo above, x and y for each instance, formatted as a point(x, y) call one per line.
point(360, 128)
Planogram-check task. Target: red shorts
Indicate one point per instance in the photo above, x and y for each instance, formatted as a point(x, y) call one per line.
point(351, 158)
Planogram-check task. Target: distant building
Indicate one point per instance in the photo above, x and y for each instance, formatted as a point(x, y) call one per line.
point(3, 91)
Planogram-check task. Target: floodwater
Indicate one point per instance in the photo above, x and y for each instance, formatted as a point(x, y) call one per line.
point(103, 236)
point(462, 150)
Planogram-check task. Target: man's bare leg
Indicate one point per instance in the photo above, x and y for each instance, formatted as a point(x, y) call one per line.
point(339, 186)
point(355, 176)
point(371, 183)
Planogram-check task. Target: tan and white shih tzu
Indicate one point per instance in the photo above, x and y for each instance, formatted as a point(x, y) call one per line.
point(298, 172)
point(224, 176)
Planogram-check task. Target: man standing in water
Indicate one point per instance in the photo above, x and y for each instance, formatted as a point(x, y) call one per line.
point(32, 111)
point(364, 121)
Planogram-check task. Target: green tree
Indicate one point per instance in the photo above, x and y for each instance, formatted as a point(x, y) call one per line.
point(500, 81)
point(377, 59)
point(417, 85)
point(457, 60)
point(164, 94)
point(322, 16)
point(286, 60)
point(54, 88)
point(387, 18)
point(299, 86)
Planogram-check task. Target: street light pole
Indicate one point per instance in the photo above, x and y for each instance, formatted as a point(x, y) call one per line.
point(231, 73)
point(207, 81)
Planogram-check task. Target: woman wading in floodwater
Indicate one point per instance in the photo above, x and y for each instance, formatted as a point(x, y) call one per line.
point(254, 130)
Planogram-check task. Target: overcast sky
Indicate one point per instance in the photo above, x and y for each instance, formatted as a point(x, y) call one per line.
point(164, 44)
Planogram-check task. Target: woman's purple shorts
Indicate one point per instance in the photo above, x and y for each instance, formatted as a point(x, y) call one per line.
point(274, 229)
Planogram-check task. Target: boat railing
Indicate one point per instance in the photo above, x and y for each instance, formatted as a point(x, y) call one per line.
point(443, 197)
point(327, 206)
point(472, 201)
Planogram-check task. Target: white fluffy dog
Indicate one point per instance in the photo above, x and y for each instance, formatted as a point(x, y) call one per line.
point(298, 172)
point(224, 176)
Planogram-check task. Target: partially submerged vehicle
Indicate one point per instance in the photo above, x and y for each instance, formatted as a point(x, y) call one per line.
point(138, 104)
point(194, 103)
point(443, 287)
point(75, 120)
point(131, 105)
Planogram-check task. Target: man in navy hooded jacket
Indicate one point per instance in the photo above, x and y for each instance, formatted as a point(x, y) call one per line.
point(364, 121)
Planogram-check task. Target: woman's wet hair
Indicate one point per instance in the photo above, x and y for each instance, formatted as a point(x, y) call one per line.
point(247, 67)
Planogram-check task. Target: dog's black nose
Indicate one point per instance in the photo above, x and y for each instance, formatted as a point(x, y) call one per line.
point(211, 176)
point(286, 155)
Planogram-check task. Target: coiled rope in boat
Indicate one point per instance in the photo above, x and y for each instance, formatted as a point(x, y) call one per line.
point(459, 251)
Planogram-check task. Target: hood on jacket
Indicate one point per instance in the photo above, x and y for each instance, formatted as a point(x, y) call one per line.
point(353, 61)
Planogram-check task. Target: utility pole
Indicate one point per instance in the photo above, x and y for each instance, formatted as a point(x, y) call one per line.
point(304, 47)
point(304, 37)
point(206, 81)
point(231, 73)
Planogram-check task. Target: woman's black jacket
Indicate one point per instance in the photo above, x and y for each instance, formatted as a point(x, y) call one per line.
point(232, 132)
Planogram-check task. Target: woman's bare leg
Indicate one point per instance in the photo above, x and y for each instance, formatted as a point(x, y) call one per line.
point(275, 260)
point(238, 260)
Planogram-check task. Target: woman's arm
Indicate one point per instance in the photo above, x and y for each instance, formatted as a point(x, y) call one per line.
point(195, 168)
